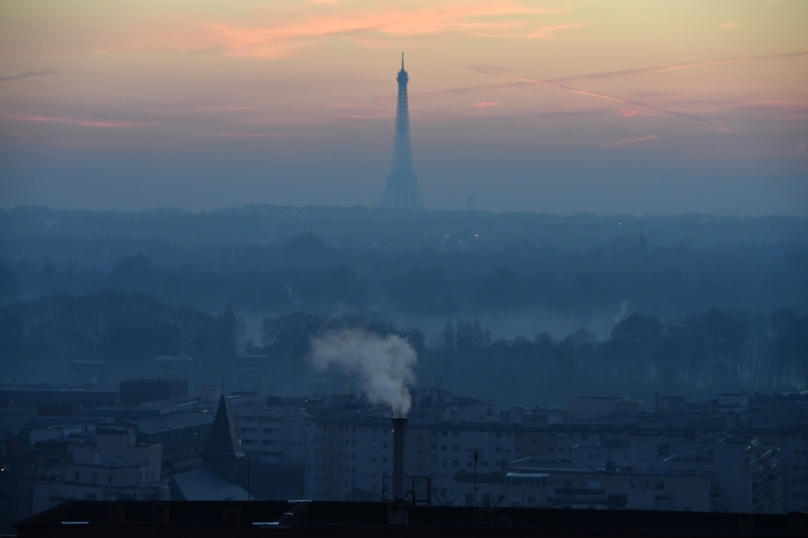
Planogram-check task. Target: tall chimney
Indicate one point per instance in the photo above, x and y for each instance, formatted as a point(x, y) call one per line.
point(399, 424)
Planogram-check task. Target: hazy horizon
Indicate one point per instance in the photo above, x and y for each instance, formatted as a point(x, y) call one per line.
point(551, 107)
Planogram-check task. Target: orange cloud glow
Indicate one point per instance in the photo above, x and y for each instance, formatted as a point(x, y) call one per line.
point(477, 20)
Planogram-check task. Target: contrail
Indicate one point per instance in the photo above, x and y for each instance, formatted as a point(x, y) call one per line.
point(675, 67)
point(558, 82)
point(20, 76)
point(580, 91)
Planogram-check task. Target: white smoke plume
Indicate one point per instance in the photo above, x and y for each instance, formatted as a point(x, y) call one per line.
point(383, 364)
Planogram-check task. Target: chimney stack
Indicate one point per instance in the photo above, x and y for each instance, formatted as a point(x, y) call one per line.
point(399, 424)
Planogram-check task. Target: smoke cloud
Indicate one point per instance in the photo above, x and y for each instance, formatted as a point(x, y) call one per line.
point(383, 364)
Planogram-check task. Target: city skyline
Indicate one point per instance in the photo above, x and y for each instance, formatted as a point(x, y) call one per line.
point(556, 107)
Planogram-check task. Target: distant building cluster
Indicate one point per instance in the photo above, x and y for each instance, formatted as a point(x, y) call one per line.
point(151, 440)
point(734, 454)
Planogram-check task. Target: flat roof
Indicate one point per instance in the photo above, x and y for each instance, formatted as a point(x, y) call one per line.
point(172, 421)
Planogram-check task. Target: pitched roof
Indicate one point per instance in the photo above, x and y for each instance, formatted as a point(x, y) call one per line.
point(171, 421)
point(207, 484)
point(223, 443)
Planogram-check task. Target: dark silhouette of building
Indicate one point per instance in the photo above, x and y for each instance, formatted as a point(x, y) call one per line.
point(140, 391)
point(402, 186)
point(223, 465)
point(357, 519)
point(223, 445)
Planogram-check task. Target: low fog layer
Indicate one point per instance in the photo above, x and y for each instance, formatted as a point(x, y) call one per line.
point(508, 306)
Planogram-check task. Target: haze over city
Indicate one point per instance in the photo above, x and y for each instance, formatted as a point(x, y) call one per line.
point(557, 107)
point(445, 267)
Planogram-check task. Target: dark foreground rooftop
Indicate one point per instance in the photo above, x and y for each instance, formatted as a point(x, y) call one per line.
point(203, 519)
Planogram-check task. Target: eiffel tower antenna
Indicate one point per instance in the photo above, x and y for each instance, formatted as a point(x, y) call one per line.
point(402, 185)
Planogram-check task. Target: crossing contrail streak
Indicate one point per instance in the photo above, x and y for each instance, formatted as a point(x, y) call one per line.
point(581, 91)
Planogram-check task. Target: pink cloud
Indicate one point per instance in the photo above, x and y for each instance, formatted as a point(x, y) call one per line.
point(365, 116)
point(224, 108)
point(485, 104)
point(547, 32)
point(630, 112)
point(629, 141)
point(249, 135)
point(478, 20)
point(83, 122)
point(800, 148)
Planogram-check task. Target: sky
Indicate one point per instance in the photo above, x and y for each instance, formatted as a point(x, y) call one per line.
point(608, 107)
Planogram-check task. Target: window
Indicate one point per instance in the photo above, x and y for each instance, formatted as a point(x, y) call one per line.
point(455, 463)
point(499, 435)
point(444, 448)
point(455, 448)
point(109, 478)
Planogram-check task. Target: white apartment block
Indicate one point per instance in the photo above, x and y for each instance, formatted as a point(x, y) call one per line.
point(114, 467)
point(271, 435)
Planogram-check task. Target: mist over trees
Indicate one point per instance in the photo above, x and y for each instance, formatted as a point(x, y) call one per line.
point(698, 355)
point(124, 329)
point(691, 304)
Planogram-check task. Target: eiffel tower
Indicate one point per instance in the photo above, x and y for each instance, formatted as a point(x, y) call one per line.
point(402, 188)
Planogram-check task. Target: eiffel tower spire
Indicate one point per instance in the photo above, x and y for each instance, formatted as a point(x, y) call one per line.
point(402, 185)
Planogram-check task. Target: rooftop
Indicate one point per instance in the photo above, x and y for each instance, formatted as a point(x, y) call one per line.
point(303, 518)
point(172, 421)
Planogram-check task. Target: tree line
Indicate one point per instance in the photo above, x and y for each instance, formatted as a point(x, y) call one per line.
point(124, 329)
point(697, 355)
point(304, 273)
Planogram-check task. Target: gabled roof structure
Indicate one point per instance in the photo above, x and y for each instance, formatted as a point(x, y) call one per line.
point(223, 444)
point(207, 484)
